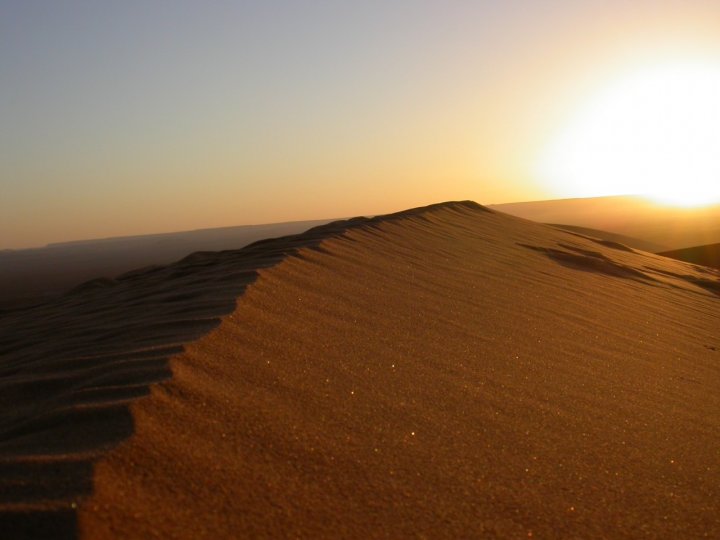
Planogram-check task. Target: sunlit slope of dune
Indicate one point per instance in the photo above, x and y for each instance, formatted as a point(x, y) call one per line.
point(453, 373)
point(635, 217)
point(448, 371)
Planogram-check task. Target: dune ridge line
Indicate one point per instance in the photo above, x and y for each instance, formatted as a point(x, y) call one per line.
point(442, 372)
point(70, 366)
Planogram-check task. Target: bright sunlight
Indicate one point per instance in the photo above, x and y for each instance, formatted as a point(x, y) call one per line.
point(655, 132)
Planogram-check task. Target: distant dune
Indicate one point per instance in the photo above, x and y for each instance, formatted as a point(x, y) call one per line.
point(703, 255)
point(635, 243)
point(30, 275)
point(634, 217)
point(443, 372)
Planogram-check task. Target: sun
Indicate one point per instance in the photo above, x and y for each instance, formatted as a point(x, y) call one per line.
point(654, 132)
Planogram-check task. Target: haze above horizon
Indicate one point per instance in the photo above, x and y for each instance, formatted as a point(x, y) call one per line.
point(132, 118)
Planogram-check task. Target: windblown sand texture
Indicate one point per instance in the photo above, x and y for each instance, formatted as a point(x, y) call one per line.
point(447, 371)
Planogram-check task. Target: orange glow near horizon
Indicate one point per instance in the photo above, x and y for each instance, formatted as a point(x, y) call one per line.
point(142, 120)
point(654, 132)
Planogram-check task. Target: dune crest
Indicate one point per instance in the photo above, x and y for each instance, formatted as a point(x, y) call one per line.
point(445, 371)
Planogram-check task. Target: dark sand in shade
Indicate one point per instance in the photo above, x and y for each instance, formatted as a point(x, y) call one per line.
point(443, 372)
point(29, 277)
point(708, 255)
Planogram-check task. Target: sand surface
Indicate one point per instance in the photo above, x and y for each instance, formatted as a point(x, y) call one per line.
point(629, 241)
point(703, 255)
point(443, 372)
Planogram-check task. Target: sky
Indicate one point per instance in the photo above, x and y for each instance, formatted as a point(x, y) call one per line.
point(133, 117)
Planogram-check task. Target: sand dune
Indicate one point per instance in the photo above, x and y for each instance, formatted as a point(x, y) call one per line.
point(629, 241)
point(634, 217)
point(447, 371)
point(703, 255)
point(31, 276)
